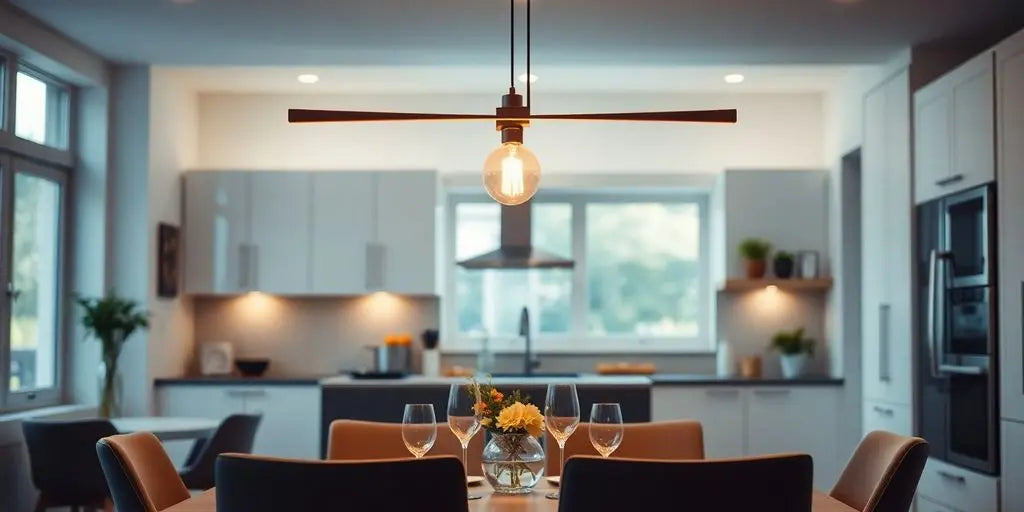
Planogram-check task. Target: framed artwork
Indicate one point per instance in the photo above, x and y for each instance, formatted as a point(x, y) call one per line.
point(167, 250)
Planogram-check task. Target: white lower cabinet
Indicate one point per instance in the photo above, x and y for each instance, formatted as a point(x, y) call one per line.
point(291, 414)
point(1013, 466)
point(958, 489)
point(890, 417)
point(755, 421)
point(927, 505)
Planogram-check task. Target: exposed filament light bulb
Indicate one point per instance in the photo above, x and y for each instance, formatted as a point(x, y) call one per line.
point(511, 174)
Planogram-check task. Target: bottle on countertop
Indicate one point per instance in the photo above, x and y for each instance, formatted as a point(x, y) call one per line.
point(725, 364)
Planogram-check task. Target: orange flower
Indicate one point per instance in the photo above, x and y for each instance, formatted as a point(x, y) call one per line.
point(496, 395)
point(480, 407)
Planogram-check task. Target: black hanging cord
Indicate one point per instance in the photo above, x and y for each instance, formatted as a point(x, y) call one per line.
point(512, 44)
point(529, 75)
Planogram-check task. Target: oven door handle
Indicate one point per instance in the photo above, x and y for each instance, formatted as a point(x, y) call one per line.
point(936, 311)
point(962, 370)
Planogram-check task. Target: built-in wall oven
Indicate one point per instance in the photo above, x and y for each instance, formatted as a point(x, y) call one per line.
point(957, 371)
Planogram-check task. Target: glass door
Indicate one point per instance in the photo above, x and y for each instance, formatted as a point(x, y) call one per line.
point(34, 248)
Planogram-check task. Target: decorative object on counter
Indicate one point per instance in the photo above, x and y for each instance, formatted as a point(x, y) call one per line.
point(216, 358)
point(794, 349)
point(167, 247)
point(808, 264)
point(394, 355)
point(485, 358)
point(782, 264)
point(458, 371)
point(252, 367)
point(724, 363)
point(624, 368)
point(112, 320)
point(755, 253)
point(750, 367)
point(431, 356)
point(513, 459)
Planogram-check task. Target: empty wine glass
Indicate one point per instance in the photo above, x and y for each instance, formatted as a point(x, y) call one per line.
point(605, 428)
point(463, 419)
point(419, 429)
point(562, 416)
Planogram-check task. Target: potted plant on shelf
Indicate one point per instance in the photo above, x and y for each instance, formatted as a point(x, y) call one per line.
point(112, 320)
point(793, 349)
point(782, 264)
point(755, 253)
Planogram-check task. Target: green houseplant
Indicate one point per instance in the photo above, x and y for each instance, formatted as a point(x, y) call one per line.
point(793, 348)
point(755, 253)
point(111, 320)
point(782, 264)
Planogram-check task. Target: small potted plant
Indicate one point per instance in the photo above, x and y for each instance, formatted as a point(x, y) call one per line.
point(782, 264)
point(793, 349)
point(755, 253)
point(111, 320)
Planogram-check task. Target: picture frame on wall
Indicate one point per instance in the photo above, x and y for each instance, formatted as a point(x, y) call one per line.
point(167, 254)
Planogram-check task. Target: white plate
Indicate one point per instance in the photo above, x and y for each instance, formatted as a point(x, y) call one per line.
point(554, 480)
point(474, 480)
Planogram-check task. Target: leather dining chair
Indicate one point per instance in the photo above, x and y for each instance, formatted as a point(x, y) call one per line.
point(883, 473)
point(661, 440)
point(771, 483)
point(251, 483)
point(370, 440)
point(140, 475)
point(234, 435)
point(64, 465)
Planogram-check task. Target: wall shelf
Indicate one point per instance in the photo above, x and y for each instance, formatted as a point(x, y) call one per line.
point(822, 284)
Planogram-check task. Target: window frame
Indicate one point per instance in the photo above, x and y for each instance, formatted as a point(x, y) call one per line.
point(577, 340)
point(18, 155)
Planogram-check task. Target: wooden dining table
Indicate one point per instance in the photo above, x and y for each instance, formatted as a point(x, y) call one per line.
point(533, 502)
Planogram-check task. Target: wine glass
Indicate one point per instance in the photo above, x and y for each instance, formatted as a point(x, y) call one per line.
point(562, 416)
point(605, 428)
point(463, 419)
point(419, 429)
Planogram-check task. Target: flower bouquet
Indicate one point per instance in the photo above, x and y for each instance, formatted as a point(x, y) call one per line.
point(513, 460)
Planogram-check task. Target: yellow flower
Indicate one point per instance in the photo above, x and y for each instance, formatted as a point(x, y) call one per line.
point(486, 422)
point(519, 416)
point(496, 395)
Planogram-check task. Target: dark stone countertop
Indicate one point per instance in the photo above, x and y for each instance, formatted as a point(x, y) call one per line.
point(695, 379)
point(237, 380)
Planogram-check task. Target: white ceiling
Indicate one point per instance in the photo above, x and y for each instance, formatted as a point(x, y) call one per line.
point(474, 32)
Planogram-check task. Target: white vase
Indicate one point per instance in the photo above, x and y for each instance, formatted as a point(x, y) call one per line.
point(793, 365)
point(431, 362)
point(724, 364)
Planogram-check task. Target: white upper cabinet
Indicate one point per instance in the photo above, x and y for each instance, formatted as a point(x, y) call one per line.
point(406, 232)
point(343, 227)
point(886, 207)
point(279, 231)
point(954, 126)
point(1010, 109)
point(216, 225)
point(298, 233)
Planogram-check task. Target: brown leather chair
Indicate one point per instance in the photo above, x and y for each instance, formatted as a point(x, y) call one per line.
point(370, 440)
point(771, 483)
point(140, 475)
point(250, 483)
point(662, 440)
point(883, 473)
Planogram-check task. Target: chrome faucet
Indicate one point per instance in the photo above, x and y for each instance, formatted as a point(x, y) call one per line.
point(529, 363)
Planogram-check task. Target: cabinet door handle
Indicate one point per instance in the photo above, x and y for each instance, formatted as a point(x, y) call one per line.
point(771, 392)
point(722, 393)
point(884, 411)
point(235, 393)
point(950, 180)
point(883, 343)
point(950, 476)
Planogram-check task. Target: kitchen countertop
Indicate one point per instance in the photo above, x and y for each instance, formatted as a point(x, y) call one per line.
point(675, 379)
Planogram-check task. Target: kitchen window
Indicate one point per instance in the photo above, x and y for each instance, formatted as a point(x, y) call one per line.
point(33, 216)
point(640, 283)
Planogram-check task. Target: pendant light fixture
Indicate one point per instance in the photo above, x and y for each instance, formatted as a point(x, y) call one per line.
point(511, 174)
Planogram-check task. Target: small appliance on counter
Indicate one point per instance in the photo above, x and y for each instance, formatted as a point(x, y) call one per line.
point(393, 358)
point(216, 358)
point(431, 354)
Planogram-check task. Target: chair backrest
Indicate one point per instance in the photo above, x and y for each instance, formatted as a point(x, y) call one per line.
point(63, 456)
point(141, 476)
point(773, 483)
point(883, 472)
point(370, 440)
point(250, 483)
point(662, 440)
point(234, 435)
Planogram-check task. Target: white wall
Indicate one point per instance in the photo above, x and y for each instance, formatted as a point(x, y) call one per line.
point(775, 131)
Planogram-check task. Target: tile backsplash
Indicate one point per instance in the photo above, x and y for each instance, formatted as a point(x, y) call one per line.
point(311, 336)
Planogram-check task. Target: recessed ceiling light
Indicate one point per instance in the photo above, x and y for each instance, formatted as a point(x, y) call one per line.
point(734, 78)
point(533, 78)
point(309, 78)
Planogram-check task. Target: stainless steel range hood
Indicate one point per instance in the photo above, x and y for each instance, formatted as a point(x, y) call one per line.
point(516, 250)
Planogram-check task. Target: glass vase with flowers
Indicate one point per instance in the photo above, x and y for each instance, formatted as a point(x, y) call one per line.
point(513, 460)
